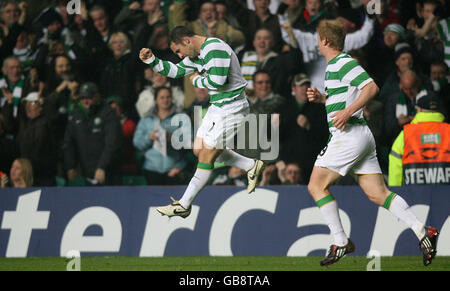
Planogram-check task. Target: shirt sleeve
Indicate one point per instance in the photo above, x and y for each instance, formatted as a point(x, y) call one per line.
point(353, 74)
point(171, 70)
point(360, 38)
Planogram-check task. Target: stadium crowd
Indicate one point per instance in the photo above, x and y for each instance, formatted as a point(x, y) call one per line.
point(78, 107)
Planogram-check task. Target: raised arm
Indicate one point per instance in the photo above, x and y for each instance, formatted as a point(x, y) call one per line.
point(360, 38)
point(306, 41)
point(166, 68)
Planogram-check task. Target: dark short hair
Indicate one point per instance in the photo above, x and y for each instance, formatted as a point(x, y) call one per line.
point(261, 71)
point(441, 64)
point(179, 32)
point(158, 89)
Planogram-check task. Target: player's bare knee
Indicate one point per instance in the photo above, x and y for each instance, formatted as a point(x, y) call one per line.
point(315, 188)
point(377, 198)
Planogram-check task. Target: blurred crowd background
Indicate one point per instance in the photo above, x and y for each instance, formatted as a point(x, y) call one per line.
point(78, 107)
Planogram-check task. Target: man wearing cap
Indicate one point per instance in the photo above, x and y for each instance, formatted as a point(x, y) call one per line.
point(94, 138)
point(393, 34)
point(35, 138)
point(420, 154)
point(304, 130)
point(402, 60)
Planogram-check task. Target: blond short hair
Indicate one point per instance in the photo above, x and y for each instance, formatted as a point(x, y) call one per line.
point(334, 32)
point(123, 36)
point(27, 171)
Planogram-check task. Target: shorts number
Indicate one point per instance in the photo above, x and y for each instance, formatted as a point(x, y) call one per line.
point(323, 151)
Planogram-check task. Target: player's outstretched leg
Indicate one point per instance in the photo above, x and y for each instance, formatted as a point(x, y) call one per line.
point(254, 175)
point(377, 191)
point(174, 209)
point(182, 207)
point(254, 168)
point(428, 244)
point(318, 187)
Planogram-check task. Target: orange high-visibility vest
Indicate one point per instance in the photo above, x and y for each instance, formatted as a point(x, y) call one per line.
point(426, 155)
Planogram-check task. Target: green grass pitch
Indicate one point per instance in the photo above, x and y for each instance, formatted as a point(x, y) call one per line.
point(205, 263)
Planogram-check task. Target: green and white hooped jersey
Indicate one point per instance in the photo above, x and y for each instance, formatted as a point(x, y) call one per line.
point(344, 80)
point(219, 69)
point(444, 33)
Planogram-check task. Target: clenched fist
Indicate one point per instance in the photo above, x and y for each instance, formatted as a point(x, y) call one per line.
point(145, 54)
point(315, 96)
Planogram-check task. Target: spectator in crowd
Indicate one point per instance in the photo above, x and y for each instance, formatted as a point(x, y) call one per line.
point(427, 136)
point(270, 176)
point(147, 33)
point(14, 84)
point(146, 100)
point(400, 108)
point(101, 21)
point(24, 50)
point(12, 19)
point(61, 93)
point(10, 13)
point(128, 130)
point(304, 130)
point(45, 49)
point(164, 163)
point(8, 146)
point(388, 14)
point(424, 23)
point(120, 68)
point(93, 139)
point(427, 37)
point(223, 14)
point(315, 64)
point(440, 80)
point(21, 175)
point(266, 102)
point(393, 35)
point(443, 28)
point(259, 58)
point(292, 10)
point(252, 20)
point(311, 16)
point(273, 6)
point(98, 32)
point(439, 76)
point(78, 27)
point(136, 17)
point(404, 61)
point(289, 174)
point(57, 40)
point(201, 101)
point(113, 7)
point(61, 73)
point(35, 138)
point(231, 176)
point(207, 23)
point(280, 66)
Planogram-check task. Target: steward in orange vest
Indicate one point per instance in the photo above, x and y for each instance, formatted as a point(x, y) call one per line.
point(421, 153)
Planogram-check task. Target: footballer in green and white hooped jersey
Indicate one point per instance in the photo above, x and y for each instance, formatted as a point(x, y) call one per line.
point(344, 80)
point(220, 73)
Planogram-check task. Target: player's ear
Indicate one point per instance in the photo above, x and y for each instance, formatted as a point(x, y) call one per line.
point(185, 40)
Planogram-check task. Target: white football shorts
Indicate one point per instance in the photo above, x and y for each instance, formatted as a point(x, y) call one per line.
point(221, 124)
point(352, 150)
